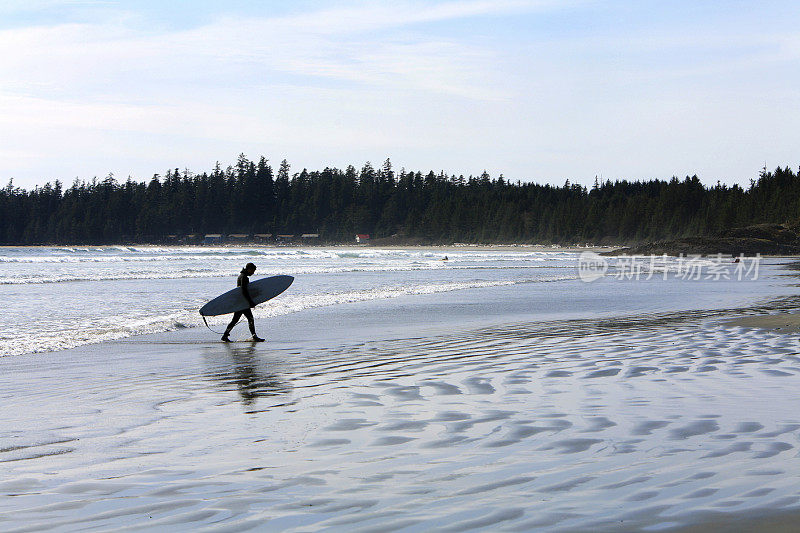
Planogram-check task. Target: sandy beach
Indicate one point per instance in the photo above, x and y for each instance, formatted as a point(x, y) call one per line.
point(780, 323)
point(359, 418)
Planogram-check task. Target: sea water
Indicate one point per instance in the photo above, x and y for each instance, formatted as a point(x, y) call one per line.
point(493, 391)
point(61, 297)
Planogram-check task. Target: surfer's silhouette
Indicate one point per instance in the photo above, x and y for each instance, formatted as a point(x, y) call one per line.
point(243, 281)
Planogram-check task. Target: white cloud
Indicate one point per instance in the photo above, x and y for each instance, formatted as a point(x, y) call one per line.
point(372, 80)
point(86, 60)
point(314, 81)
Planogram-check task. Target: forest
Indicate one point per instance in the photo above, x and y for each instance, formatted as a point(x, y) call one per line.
point(249, 197)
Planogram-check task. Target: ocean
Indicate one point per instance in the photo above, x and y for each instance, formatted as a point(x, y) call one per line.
point(63, 297)
point(515, 389)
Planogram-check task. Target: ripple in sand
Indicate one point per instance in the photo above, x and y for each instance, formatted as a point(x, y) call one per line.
point(608, 372)
point(637, 371)
point(393, 440)
point(479, 386)
point(558, 374)
point(324, 443)
point(643, 496)
point(491, 416)
point(446, 442)
point(517, 435)
point(451, 416)
point(599, 423)
point(773, 372)
point(647, 427)
point(442, 388)
point(573, 445)
point(567, 485)
point(698, 427)
point(734, 448)
point(758, 492)
point(105, 489)
point(626, 447)
point(676, 369)
point(627, 482)
point(702, 493)
point(773, 449)
point(404, 425)
point(786, 428)
point(40, 455)
point(487, 521)
point(496, 485)
point(405, 392)
point(748, 427)
point(349, 424)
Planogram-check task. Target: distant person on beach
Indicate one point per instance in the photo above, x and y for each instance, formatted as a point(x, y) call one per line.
point(243, 281)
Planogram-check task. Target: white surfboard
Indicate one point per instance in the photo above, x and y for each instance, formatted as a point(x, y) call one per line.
point(260, 291)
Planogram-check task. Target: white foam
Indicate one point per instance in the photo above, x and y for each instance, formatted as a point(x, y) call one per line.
point(117, 327)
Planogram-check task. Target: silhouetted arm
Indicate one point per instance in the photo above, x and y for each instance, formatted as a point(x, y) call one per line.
point(246, 291)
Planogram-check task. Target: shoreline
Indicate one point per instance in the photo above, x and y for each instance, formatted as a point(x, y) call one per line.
point(450, 247)
point(611, 250)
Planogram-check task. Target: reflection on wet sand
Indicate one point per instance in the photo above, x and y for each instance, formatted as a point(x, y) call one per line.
point(628, 424)
point(246, 370)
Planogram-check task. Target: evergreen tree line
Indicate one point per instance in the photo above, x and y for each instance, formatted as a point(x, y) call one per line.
point(250, 198)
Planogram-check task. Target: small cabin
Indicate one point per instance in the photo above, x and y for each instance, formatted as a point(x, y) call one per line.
point(362, 237)
point(238, 237)
point(284, 238)
point(212, 238)
point(262, 237)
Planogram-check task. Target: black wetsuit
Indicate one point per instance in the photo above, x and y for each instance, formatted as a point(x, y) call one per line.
point(242, 281)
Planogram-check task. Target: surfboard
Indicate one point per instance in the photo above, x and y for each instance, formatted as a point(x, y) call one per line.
point(260, 291)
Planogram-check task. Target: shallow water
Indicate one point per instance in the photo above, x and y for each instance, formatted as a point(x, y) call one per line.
point(417, 413)
point(59, 297)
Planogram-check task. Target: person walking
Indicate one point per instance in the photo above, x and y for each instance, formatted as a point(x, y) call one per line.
point(243, 281)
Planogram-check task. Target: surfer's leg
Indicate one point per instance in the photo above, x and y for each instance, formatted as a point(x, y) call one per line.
point(252, 324)
point(250, 321)
point(236, 316)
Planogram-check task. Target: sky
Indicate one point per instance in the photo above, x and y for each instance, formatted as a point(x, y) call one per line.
point(536, 90)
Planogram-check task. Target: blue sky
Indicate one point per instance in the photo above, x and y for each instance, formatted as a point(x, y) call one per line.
point(537, 90)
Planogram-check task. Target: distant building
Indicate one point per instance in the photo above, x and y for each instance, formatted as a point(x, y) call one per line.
point(262, 237)
point(284, 238)
point(362, 237)
point(238, 237)
point(212, 238)
point(305, 236)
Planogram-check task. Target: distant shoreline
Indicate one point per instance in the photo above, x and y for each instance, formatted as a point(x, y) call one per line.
point(672, 248)
point(443, 247)
point(776, 240)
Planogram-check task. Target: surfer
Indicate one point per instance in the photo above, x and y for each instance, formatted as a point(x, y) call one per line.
point(243, 281)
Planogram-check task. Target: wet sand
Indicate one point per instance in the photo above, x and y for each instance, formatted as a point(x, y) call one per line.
point(784, 322)
point(666, 421)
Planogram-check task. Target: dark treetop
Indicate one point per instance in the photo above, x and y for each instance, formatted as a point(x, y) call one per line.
point(413, 207)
